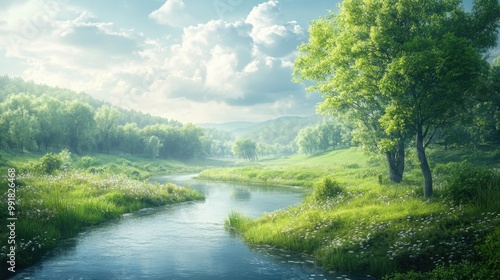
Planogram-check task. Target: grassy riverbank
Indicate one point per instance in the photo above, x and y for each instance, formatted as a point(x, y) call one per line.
point(355, 221)
point(80, 192)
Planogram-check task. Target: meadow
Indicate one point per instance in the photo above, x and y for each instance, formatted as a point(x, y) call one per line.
point(59, 195)
point(354, 220)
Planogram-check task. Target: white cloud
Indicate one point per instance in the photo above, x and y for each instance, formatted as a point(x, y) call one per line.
point(271, 34)
point(173, 13)
point(215, 70)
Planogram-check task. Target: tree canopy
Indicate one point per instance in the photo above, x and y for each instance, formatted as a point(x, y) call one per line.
point(246, 149)
point(400, 67)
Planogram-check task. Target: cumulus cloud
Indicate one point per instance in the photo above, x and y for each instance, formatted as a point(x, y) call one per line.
point(271, 35)
point(173, 13)
point(215, 70)
point(241, 63)
point(63, 45)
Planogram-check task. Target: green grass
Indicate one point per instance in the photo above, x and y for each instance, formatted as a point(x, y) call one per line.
point(301, 170)
point(353, 223)
point(51, 207)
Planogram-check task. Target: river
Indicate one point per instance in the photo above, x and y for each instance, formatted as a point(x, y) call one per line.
point(183, 241)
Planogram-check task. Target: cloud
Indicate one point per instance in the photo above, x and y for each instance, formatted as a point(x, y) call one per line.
point(173, 13)
point(93, 39)
point(64, 45)
point(241, 63)
point(214, 70)
point(271, 35)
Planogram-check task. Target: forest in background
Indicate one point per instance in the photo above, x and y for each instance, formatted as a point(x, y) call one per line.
point(48, 119)
point(41, 118)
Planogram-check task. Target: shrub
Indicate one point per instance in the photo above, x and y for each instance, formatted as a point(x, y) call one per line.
point(50, 163)
point(65, 156)
point(465, 183)
point(490, 252)
point(326, 188)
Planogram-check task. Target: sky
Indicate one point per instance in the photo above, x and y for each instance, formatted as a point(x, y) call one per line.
point(194, 61)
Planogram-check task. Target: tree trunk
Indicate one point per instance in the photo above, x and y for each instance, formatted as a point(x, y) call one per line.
point(396, 161)
point(424, 164)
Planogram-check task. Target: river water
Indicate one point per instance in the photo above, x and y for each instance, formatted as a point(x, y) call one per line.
point(183, 241)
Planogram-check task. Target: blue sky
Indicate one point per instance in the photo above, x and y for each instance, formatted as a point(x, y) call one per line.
point(190, 60)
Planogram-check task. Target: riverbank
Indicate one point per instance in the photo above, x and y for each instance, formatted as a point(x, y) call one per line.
point(354, 220)
point(55, 197)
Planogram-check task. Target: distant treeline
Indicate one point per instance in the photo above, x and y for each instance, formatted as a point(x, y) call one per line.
point(38, 117)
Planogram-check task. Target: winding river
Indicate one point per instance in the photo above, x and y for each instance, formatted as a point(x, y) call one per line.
point(184, 241)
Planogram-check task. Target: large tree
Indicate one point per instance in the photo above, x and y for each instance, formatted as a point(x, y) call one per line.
point(400, 66)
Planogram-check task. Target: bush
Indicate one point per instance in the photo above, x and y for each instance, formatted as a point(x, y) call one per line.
point(465, 183)
point(326, 188)
point(50, 163)
point(490, 252)
point(65, 156)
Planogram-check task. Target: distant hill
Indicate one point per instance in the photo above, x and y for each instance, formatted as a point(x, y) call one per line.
point(237, 128)
point(282, 130)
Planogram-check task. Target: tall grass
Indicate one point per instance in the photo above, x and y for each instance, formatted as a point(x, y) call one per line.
point(350, 222)
point(52, 207)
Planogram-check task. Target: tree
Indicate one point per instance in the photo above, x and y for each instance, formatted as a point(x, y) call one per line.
point(23, 128)
point(51, 117)
point(328, 59)
point(153, 145)
point(191, 141)
point(106, 122)
point(79, 125)
point(131, 139)
point(21, 123)
point(419, 61)
point(321, 137)
point(307, 140)
point(246, 149)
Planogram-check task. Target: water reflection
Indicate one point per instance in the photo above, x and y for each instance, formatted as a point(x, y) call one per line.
point(239, 194)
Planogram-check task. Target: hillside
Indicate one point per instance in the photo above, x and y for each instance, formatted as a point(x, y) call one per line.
point(281, 130)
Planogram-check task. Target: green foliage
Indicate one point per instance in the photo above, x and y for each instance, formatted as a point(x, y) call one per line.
point(396, 68)
point(237, 222)
point(153, 145)
point(87, 161)
point(465, 183)
point(66, 161)
point(490, 253)
point(50, 163)
point(327, 135)
point(300, 170)
point(278, 137)
point(35, 117)
point(488, 268)
point(355, 224)
point(246, 149)
point(59, 206)
point(106, 119)
point(326, 188)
